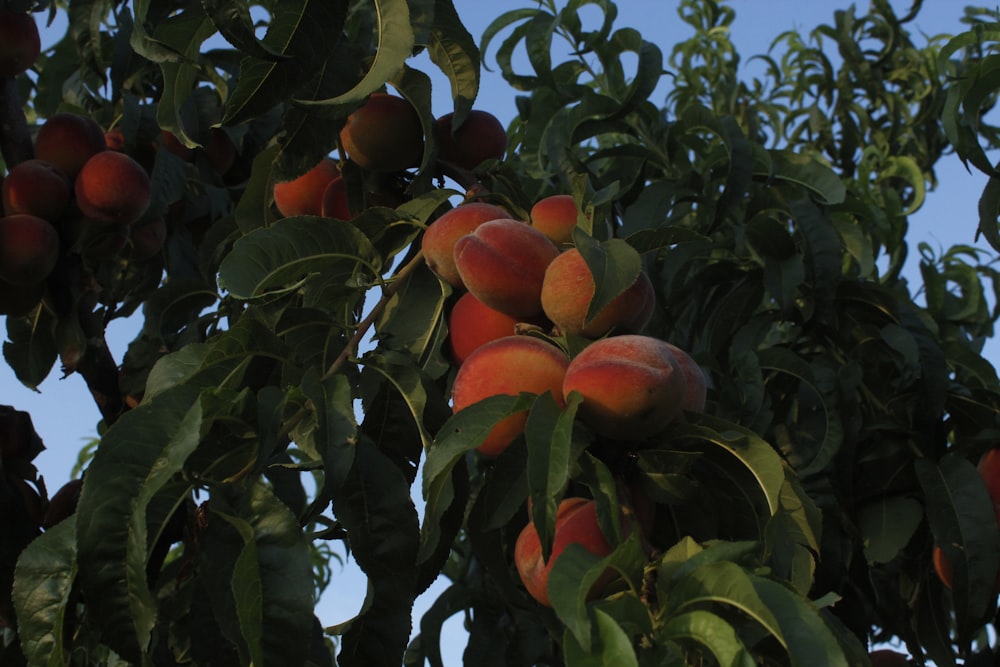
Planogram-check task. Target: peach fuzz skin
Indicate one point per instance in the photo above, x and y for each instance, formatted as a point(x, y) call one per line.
point(555, 216)
point(304, 195)
point(632, 386)
point(503, 264)
point(20, 42)
point(568, 288)
point(472, 324)
point(480, 137)
point(68, 140)
point(112, 187)
point(384, 135)
point(695, 381)
point(576, 523)
point(29, 249)
point(507, 367)
point(37, 188)
point(438, 242)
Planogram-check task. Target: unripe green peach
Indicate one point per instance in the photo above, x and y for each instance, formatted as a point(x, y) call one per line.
point(503, 263)
point(304, 195)
point(576, 523)
point(480, 137)
point(556, 217)
point(384, 135)
point(632, 386)
point(438, 242)
point(472, 324)
point(68, 140)
point(695, 381)
point(568, 288)
point(20, 42)
point(37, 188)
point(29, 249)
point(112, 187)
point(507, 367)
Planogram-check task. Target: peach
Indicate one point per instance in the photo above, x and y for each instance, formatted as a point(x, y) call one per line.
point(888, 658)
point(695, 381)
point(438, 242)
point(576, 523)
point(568, 288)
point(384, 135)
point(19, 300)
point(37, 188)
point(989, 470)
point(147, 238)
point(304, 195)
point(335, 203)
point(479, 138)
point(508, 366)
point(62, 503)
point(220, 151)
point(556, 217)
point(472, 324)
point(20, 42)
point(29, 249)
point(172, 143)
point(112, 187)
point(632, 386)
point(503, 263)
point(68, 140)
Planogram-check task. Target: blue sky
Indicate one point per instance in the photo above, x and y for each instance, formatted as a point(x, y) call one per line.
point(64, 413)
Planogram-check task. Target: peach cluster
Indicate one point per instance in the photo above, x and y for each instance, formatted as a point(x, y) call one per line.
point(74, 192)
point(524, 275)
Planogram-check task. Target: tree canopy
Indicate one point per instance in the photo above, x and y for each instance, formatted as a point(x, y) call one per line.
point(290, 392)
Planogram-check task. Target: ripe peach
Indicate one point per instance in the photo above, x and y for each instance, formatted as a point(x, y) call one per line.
point(29, 249)
point(989, 470)
point(62, 503)
point(112, 187)
point(37, 188)
point(220, 151)
point(555, 217)
point(147, 238)
point(632, 386)
point(438, 242)
point(472, 324)
point(503, 263)
point(172, 143)
point(384, 134)
point(18, 300)
point(576, 523)
point(480, 137)
point(335, 203)
point(68, 140)
point(304, 195)
point(568, 288)
point(888, 658)
point(20, 42)
point(508, 366)
point(695, 382)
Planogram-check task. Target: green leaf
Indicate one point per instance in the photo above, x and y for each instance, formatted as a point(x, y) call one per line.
point(804, 171)
point(961, 516)
point(395, 44)
point(549, 431)
point(31, 350)
point(282, 257)
point(614, 264)
point(185, 34)
point(887, 525)
point(454, 51)
point(43, 581)
point(612, 648)
point(808, 638)
point(376, 509)
point(335, 433)
point(136, 459)
point(235, 24)
point(708, 630)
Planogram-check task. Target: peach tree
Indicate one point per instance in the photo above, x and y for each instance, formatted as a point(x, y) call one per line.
point(775, 464)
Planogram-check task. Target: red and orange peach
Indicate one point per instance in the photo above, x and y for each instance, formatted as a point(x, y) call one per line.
point(438, 242)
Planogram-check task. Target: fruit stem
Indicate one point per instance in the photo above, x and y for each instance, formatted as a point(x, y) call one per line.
point(15, 139)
